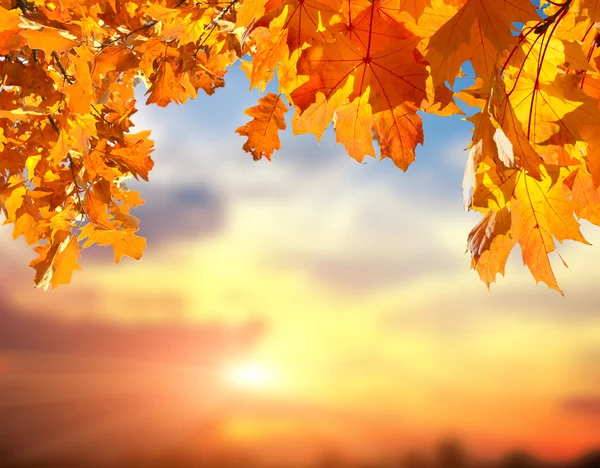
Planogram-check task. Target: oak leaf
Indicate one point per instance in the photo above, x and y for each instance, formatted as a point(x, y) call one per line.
point(56, 263)
point(263, 130)
point(123, 242)
point(49, 39)
point(10, 32)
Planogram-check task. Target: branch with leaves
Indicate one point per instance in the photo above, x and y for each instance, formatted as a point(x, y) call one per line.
point(369, 68)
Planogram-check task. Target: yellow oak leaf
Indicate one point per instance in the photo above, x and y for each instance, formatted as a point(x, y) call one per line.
point(123, 242)
point(134, 156)
point(263, 130)
point(166, 87)
point(10, 31)
point(49, 39)
point(56, 262)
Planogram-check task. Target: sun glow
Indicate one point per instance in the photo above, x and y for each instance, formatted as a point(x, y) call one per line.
point(250, 375)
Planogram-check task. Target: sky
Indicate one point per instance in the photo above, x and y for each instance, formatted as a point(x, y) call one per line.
point(293, 308)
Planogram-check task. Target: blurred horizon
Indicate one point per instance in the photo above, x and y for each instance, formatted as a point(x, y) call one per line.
point(447, 453)
point(288, 310)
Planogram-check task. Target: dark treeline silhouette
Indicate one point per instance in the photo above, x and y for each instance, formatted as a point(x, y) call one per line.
point(447, 454)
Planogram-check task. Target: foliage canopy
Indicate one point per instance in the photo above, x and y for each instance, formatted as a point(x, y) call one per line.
point(68, 70)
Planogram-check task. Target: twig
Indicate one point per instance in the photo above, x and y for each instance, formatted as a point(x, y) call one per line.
point(71, 166)
point(61, 68)
point(141, 28)
point(122, 38)
point(545, 23)
point(213, 23)
point(22, 4)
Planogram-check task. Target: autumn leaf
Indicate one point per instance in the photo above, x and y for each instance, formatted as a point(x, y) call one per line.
point(123, 242)
point(263, 130)
point(318, 116)
point(396, 8)
point(375, 65)
point(166, 87)
point(56, 263)
point(542, 211)
point(49, 39)
point(585, 195)
point(591, 9)
point(271, 48)
point(353, 127)
point(479, 30)
point(490, 244)
point(398, 132)
point(80, 92)
point(377, 53)
point(61, 148)
point(134, 154)
point(10, 31)
point(27, 222)
point(248, 11)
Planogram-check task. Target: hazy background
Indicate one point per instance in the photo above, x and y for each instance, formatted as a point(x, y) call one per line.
point(307, 310)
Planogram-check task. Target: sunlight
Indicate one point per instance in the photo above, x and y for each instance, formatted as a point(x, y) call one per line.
point(250, 375)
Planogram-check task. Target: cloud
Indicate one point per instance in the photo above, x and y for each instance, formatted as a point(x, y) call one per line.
point(362, 273)
point(173, 213)
point(179, 343)
point(180, 212)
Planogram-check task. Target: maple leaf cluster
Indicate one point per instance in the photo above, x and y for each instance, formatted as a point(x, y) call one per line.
point(68, 69)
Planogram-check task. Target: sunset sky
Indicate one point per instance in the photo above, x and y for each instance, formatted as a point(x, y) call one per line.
point(294, 308)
